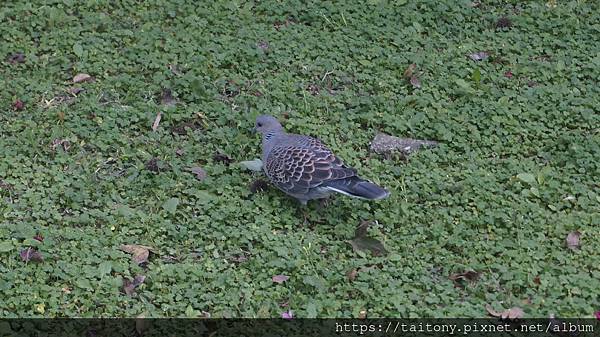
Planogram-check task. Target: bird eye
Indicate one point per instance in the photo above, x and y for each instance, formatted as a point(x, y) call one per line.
point(259, 124)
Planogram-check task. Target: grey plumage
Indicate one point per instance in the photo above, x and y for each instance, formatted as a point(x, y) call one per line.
point(304, 168)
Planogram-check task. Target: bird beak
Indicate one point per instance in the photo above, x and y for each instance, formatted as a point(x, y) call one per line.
point(253, 130)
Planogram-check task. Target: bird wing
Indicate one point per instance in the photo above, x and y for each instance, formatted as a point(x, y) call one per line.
point(304, 163)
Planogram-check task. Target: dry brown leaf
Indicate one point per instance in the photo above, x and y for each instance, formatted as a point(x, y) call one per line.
point(280, 278)
point(491, 311)
point(156, 121)
point(75, 90)
point(351, 274)
point(362, 314)
point(573, 240)
point(31, 254)
point(468, 275)
point(415, 81)
point(199, 172)
point(167, 98)
point(82, 78)
point(512, 313)
point(408, 73)
point(130, 285)
point(139, 253)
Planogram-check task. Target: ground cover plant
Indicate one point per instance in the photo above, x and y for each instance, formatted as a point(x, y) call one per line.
point(123, 125)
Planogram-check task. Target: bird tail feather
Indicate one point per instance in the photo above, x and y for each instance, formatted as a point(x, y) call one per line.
point(358, 188)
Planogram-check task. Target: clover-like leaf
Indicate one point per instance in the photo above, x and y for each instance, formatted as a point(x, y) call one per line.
point(526, 178)
point(171, 205)
point(252, 165)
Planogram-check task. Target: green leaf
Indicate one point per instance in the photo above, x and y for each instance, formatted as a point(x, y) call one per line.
point(78, 49)
point(476, 76)
point(105, 268)
point(527, 178)
point(6, 246)
point(83, 283)
point(464, 85)
point(190, 312)
point(311, 310)
point(252, 165)
point(125, 211)
point(31, 242)
point(171, 205)
point(368, 244)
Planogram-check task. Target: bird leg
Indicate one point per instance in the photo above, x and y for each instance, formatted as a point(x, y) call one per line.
point(323, 203)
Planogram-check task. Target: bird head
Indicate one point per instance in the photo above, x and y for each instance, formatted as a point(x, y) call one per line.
point(265, 124)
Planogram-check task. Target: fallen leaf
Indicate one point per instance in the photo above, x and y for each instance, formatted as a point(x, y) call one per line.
point(537, 280)
point(512, 313)
point(179, 152)
point(362, 314)
point(503, 22)
point(280, 278)
point(156, 121)
point(31, 254)
point(467, 276)
point(363, 243)
point(597, 315)
point(16, 58)
point(480, 56)
point(385, 144)
point(18, 105)
point(139, 253)
point(5, 186)
point(38, 237)
point(130, 285)
point(573, 240)
point(351, 274)
point(408, 73)
point(368, 244)
point(508, 74)
point(415, 82)
point(199, 172)
point(64, 143)
point(75, 90)
point(289, 314)
point(264, 45)
point(491, 311)
point(152, 165)
point(362, 228)
point(167, 98)
point(82, 78)
point(252, 165)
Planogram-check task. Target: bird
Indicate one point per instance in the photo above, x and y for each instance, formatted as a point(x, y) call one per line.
point(306, 169)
